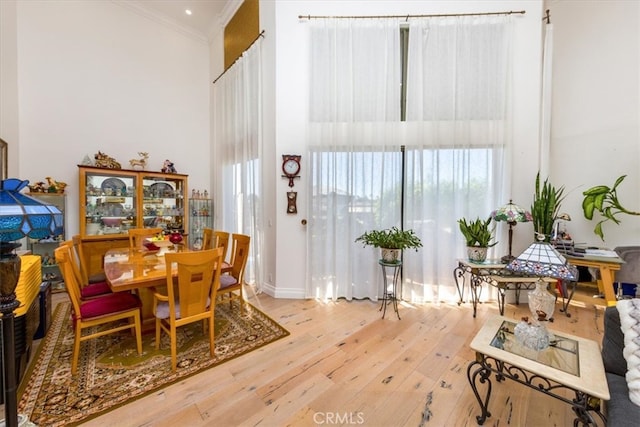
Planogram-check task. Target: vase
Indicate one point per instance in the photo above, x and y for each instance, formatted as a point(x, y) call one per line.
point(391, 256)
point(541, 302)
point(476, 253)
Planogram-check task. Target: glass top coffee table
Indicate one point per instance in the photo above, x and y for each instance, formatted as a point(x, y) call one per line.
point(569, 363)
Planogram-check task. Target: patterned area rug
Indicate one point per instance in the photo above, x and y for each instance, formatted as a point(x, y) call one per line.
point(111, 373)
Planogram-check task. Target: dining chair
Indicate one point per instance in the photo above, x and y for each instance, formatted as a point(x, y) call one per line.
point(84, 269)
point(209, 241)
point(233, 281)
point(137, 236)
point(103, 310)
point(190, 296)
point(87, 290)
point(222, 242)
point(215, 239)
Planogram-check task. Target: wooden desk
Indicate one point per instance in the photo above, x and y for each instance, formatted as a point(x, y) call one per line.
point(133, 269)
point(607, 266)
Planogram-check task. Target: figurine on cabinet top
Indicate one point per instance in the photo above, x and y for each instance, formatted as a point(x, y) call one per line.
point(51, 186)
point(142, 161)
point(168, 167)
point(105, 161)
point(55, 186)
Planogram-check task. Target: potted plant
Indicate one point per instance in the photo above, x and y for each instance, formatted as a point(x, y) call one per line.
point(605, 200)
point(477, 235)
point(545, 207)
point(391, 241)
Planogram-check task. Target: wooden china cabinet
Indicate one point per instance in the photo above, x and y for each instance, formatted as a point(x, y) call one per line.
point(111, 201)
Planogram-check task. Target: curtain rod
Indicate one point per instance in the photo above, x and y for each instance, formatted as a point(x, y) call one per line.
point(236, 60)
point(510, 12)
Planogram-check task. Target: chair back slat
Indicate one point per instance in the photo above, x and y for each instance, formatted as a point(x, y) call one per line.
point(239, 255)
point(137, 236)
point(69, 275)
point(196, 272)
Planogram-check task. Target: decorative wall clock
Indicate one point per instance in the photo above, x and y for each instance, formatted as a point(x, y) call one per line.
point(291, 167)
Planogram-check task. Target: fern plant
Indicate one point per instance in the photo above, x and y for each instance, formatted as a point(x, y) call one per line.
point(391, 238)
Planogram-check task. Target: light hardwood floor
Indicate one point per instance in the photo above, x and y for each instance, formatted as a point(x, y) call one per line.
point(344, 365)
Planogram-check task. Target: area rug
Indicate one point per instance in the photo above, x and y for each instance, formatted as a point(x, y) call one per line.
point(111, 373)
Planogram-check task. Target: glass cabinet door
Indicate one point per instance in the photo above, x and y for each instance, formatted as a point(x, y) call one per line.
point(163, 199)
point(110, 202)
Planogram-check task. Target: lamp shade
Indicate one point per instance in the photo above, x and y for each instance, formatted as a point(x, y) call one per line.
point(541, 259)
point(23, 216)
point(511, 213)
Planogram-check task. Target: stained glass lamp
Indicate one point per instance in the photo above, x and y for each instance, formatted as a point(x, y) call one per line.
point(542, 260)
point(512, 214)
point(20, 216)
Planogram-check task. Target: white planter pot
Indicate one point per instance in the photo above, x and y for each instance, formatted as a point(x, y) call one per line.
point(476, 254)
point(390, 255)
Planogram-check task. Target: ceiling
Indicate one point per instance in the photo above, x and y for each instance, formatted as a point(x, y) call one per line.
point(206, 16)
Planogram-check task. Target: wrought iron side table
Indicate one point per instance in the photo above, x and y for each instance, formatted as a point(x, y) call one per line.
point(493, 272)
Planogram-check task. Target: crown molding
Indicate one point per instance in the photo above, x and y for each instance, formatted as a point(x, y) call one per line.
point(218, 24)
point(139, 8)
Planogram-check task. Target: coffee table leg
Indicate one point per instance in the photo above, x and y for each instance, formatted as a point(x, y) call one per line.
point(477, 371)
point(584, 406)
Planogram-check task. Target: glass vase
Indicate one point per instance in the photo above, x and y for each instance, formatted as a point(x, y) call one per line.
point(541, 302)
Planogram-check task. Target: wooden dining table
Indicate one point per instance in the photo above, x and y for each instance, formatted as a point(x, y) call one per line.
point(139, 270)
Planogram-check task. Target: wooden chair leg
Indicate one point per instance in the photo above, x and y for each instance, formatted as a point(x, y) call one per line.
point(138, 331)
point(212, 344)
point(158, 332)
point(76, 350)
point(174, 349)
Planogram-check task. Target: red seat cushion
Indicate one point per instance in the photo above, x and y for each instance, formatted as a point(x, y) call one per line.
point(109, 304)
point(95, 289)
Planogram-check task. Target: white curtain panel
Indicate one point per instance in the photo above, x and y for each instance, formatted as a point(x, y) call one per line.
point(237, 130)
point(354, 143)
point(458, 129)
point(547, 86)
point(456, 132)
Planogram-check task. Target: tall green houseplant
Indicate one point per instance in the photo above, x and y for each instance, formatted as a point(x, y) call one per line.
point(546, 206)
point(605, 201)
point(477, 232)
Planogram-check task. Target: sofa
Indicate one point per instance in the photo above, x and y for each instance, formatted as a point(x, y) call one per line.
point(620, 410)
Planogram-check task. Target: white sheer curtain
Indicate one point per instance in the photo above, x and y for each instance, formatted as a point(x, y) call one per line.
point(458, 128)
point(547, 85)
point(354, 155)
point(237, 130)
point(456, 132)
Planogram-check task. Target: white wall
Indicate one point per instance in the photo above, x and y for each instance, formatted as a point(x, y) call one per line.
point(596, 110)
point(96, 76)
point(291, 106)
point(9, 83)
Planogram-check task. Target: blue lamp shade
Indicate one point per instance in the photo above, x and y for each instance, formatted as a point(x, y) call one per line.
point(24, 216)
